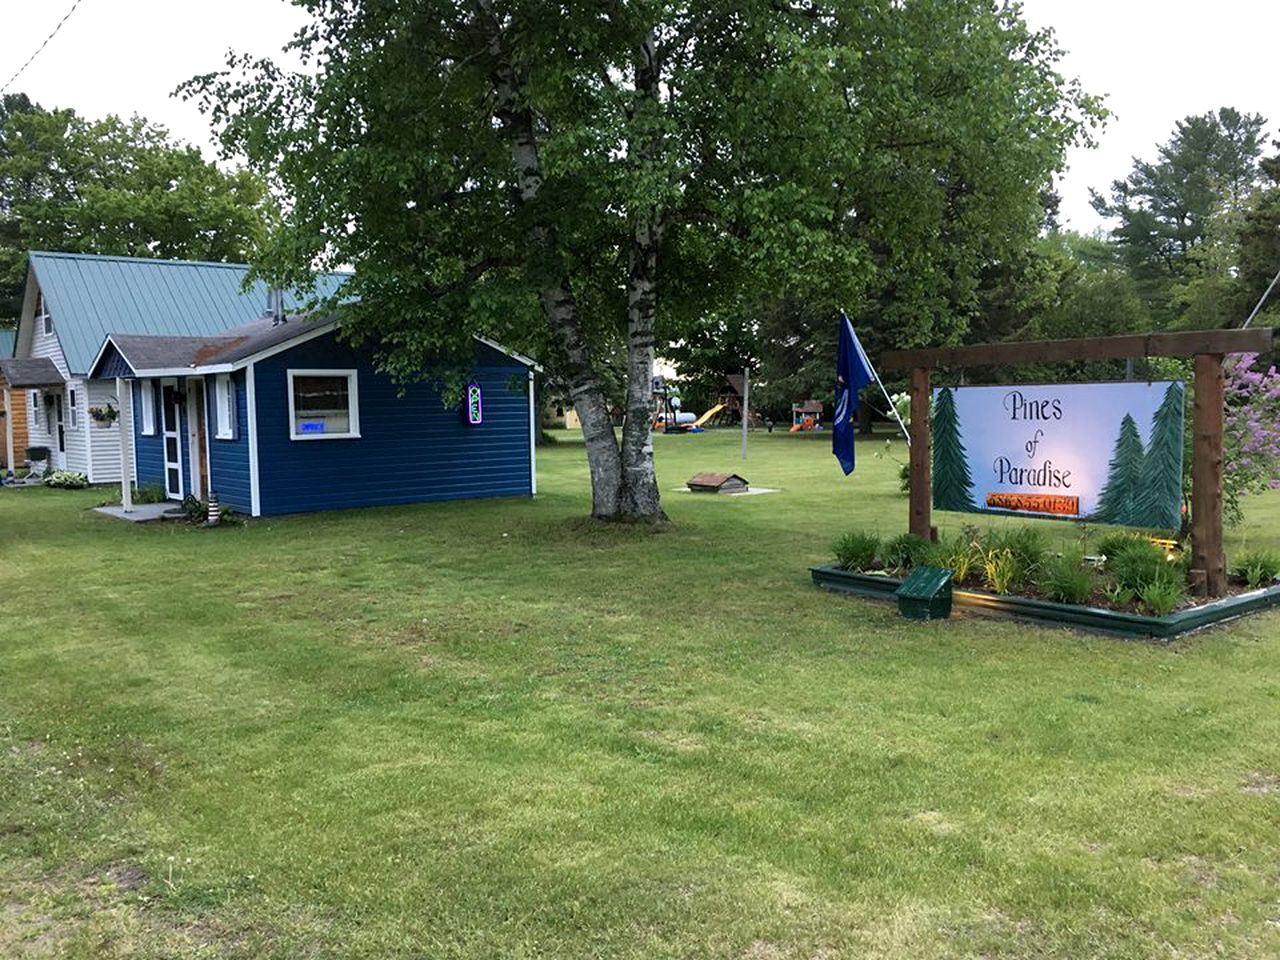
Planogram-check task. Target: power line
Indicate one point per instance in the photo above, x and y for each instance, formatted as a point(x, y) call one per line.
point(39, 49)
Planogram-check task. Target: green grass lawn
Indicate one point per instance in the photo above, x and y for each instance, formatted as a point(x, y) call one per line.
point(492, 729)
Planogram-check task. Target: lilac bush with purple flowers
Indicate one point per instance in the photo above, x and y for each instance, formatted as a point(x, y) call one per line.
point(1251, 443)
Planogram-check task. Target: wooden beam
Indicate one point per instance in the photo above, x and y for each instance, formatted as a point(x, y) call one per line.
point(1187, 343)
point(1208, 557)
point(921, 465)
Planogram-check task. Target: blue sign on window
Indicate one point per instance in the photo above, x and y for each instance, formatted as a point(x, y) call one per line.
point(313, 426)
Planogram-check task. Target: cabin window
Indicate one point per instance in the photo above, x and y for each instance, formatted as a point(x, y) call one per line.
point(75, 409)
point(35, 402)
point(323, 405)
point(47, 321)
point(147, 408)
point(224, 414)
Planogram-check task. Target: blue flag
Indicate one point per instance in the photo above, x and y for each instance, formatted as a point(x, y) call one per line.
point(853, 372)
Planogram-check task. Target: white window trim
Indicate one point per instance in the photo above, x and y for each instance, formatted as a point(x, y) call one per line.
point(353, 399)
point(46, 324)
point(223, 413)
point(148, 397)
point(73, 406)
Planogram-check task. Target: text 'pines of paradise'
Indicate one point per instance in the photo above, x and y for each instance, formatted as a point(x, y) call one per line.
point(1105, 452)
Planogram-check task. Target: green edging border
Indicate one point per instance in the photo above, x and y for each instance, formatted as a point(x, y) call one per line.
point(1085, 618)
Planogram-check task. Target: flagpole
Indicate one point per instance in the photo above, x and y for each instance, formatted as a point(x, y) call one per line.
point(906, 434)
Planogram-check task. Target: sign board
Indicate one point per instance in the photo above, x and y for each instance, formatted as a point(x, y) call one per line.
point(475, 404)
point(1106, 452)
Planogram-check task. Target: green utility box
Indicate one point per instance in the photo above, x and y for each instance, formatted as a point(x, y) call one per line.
point(925, 594)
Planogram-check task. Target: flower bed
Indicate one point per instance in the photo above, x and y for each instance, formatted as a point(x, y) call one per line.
point(1131, 586)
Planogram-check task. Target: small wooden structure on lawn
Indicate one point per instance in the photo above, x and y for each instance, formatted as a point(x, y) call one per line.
point(1208, 347)
point(717, 483)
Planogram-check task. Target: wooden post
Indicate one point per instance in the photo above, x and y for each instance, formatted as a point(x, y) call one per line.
point(124, 397)
point(921, 466)
point(8, 429)
point(1208, 558)
point(746, 397)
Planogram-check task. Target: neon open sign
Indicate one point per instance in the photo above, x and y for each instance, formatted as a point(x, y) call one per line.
point(475, 404)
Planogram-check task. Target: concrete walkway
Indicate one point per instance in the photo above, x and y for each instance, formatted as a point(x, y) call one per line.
point(142, 512)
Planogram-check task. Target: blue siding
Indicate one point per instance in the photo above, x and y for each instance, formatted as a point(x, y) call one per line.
point(411, 448)
point(151, 449)
point(229, 459)
point(113, 365)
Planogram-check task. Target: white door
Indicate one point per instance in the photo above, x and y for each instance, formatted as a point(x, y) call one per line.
point(59, 430)
point(171, 420)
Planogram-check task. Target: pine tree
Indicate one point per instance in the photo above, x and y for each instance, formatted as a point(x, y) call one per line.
point(952, 484)
point(1160, 502)
point(1119, 500)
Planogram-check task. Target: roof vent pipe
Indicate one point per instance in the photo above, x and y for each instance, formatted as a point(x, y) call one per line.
point(275, 306)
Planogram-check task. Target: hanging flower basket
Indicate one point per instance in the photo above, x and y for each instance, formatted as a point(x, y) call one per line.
point(104, 416)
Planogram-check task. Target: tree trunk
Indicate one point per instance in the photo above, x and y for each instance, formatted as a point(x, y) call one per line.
point(556, 298)
point(640, 498)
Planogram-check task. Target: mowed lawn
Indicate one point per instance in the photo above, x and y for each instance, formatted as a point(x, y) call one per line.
point(492, 729)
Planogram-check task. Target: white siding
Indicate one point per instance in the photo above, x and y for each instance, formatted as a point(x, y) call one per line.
point(37, 434)
point(77, 440)
point(47, 345)
point(105, 441)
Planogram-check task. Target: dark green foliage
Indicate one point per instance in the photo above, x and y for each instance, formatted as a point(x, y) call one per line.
point(1257, 567)
point(1027, 544)
point(1118, 503)
point(1162, 596)
point(1113, 543)
point(1159, 502)
point(1139, 564)
point(952, 484)
point(114, 186)
point(856, 550)
point(1067, 580)
point(904, 552)
point(1171, 214)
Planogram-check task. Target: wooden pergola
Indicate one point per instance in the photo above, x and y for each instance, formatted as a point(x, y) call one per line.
point(1207, 347)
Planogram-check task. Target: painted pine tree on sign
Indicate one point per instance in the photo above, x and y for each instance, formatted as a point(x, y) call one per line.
point(1118, 502)
point(1160, 500)
point(952, 484)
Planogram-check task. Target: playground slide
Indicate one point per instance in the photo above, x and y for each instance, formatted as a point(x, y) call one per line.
point(708, 415)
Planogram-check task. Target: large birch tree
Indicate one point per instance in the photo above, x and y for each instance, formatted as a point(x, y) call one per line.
point(585, 180)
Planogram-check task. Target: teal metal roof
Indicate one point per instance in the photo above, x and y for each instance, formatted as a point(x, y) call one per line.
point(90, 297)
point(8, 338)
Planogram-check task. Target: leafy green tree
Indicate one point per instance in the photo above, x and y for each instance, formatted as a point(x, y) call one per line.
point(952, 483)
point(576, 178)
point(1119, 500)
point(1160, 500)
point(1260, 242)
point(113, 187)
point(1166, 208)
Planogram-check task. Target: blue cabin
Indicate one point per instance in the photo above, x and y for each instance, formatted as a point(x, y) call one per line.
point(282, 416)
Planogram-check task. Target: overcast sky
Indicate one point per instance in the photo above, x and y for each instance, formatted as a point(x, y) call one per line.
point(1156, 60)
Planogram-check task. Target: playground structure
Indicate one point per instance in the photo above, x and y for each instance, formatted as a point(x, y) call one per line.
point(806, 416)
point(669, 418)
